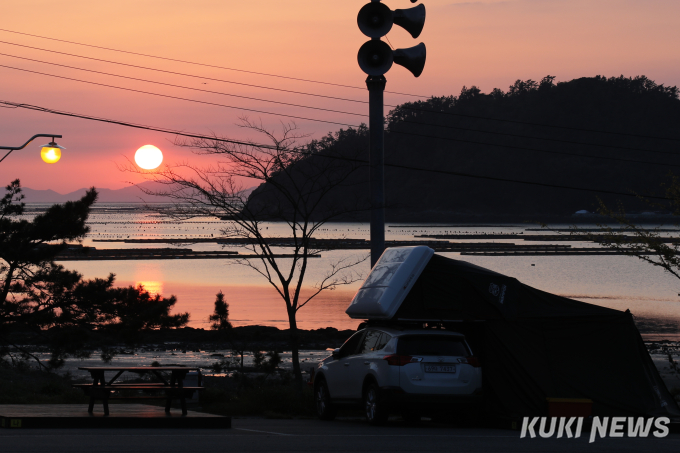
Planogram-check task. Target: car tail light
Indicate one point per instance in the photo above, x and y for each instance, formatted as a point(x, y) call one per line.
point(398, 360)
point(474, 361)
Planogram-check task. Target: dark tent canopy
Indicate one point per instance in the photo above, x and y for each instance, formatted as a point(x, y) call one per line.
point(535, 345)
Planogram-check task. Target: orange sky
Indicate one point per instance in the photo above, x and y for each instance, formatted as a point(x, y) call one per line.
point(484, 43)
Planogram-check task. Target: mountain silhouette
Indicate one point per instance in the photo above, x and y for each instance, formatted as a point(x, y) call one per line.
point(618, 134)
point(132, 194)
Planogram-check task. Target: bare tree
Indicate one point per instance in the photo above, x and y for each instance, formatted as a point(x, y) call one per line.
point(298, 186)
point(652, 245)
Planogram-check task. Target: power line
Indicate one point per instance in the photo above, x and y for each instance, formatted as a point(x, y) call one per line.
point(406, 167)
point(319, 120)
point(184, 87)
point(349, 113)
point(178, 97)
point(185, 74)
point(337, 111)
point(532, 183)
point(204, 64)
point(556, 140)
point(522, 148)
point(15, 105)
point(527, 123)
point(352, 100)
point(296, 105)
point(340, 111)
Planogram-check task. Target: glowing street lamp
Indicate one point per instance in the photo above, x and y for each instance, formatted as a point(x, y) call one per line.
point(50, 153)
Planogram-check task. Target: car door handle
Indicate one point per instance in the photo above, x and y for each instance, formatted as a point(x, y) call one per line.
point(346, 363)
point(367, 363)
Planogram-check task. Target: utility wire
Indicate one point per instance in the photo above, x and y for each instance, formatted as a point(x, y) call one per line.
point(187, 75)
point(350, 100)
point(204, 64)
point(340, 111)
point(298, 151)
point(330, 122)
point(527, 123)
point(532, 137)
point(15, 105)
point(516, 181)
point(179, 98)
point(349, 113)
point(523, 148)
point(184, 87)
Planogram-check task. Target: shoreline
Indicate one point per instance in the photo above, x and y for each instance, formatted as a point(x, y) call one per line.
point(266, 338)
point(398, 218)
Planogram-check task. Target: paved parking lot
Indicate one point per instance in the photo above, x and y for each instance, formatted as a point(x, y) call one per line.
point(344, 435)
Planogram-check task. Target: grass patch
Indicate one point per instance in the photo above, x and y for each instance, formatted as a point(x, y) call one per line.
point(263, 396)
point(26, 385)
point(242, 396)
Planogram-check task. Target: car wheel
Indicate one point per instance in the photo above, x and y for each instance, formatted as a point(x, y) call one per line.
point(376, 413)
point(322, 398)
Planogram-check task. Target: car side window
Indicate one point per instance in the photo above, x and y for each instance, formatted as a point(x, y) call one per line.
point(384, 339)
point(351, 345)
point(370, 341)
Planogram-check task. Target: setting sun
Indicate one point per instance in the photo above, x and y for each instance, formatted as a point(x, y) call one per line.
point(148, 157)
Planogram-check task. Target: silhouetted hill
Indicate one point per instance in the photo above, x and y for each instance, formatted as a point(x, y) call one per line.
point(457, 134)
point(132, 194)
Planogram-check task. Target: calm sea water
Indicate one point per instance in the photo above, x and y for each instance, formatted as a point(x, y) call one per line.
point(618, 282)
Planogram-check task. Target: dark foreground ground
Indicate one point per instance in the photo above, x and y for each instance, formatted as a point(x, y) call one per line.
point(345, 435)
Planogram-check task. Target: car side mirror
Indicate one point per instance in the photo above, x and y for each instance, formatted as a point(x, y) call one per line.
point(336, 353)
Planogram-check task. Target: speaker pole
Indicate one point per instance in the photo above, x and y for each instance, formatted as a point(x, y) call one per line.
point(376, 123)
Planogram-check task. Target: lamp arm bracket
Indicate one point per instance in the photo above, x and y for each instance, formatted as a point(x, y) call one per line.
point(15, 148)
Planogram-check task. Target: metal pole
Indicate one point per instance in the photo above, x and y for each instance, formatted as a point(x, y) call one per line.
point(376, 123)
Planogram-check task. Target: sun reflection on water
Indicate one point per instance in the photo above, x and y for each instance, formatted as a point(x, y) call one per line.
point(152, 287)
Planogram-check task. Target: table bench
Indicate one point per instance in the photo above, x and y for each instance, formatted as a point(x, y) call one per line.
point(101, 389)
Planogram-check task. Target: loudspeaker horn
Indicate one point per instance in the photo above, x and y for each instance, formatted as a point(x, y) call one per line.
point(375, 57)
point(375, 20)
point(412, 19)
point(412, 58)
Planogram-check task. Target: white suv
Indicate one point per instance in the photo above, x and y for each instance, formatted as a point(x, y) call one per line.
point(387, 369)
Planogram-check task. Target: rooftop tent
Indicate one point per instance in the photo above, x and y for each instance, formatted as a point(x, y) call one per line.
point(533, 345)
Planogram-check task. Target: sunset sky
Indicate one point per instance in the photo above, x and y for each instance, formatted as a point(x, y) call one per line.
point(484, 43)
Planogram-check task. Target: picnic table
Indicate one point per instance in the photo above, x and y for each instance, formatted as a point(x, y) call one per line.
point(173, 388)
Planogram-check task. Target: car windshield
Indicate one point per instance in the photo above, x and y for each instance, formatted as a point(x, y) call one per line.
point(351, 345)
point(442, 345)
